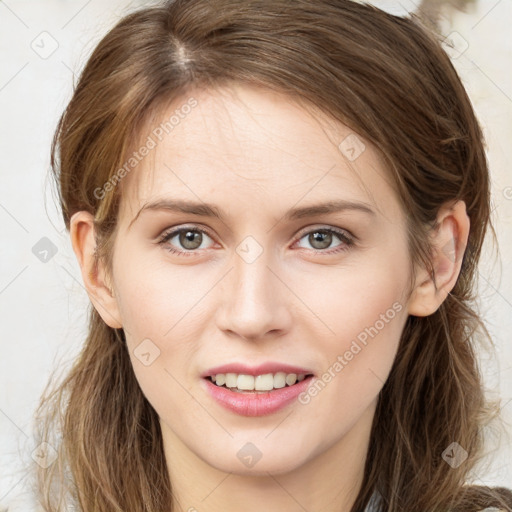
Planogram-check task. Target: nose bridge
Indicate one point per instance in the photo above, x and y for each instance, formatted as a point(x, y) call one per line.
point(252, 303)
point(252, 280)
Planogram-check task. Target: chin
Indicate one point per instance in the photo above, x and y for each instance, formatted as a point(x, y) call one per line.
point(258, 457)
point(275, 466)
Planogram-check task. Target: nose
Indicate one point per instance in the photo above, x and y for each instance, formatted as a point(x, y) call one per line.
point(254, 303)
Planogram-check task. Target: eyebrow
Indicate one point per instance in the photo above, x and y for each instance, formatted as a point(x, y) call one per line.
point(210, 210)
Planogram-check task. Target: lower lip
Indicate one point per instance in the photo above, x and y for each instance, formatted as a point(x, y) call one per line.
point(256, 404)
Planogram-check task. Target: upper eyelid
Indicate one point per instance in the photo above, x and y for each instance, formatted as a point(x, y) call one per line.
point(178, 229)
point(320, 227)
point(194, 227)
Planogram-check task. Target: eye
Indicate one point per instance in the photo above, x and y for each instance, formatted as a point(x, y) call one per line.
point(321, 239)
point(189, 238)
point(192, 238)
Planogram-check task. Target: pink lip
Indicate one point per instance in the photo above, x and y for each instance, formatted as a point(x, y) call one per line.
point(255, 404)
point(262, 369)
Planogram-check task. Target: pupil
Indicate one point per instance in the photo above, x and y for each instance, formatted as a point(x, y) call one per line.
point(188, 238)
point(323, 238)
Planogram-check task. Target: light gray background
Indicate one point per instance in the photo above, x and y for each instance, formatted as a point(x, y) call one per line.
point(43, 304)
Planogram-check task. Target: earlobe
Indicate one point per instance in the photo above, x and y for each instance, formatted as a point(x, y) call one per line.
point(93, 273)
point(449, 241)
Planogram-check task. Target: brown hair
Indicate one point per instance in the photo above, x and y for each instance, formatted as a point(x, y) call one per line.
point(388, 79)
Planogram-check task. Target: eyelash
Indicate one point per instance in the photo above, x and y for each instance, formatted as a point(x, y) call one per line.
point(347, 240)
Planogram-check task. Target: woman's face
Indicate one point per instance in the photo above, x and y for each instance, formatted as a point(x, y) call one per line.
point(263, 286)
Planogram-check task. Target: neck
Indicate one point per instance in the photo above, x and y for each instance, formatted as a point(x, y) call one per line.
point(329, 481)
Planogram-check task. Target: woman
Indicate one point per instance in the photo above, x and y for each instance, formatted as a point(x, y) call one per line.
point(278, 210)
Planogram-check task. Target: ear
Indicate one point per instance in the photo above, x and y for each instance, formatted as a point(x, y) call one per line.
point(93, 274)
point(449, 240)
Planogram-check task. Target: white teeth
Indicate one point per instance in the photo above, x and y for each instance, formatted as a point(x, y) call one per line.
point(265, 382)
point(291, 379)
point(280, 380)
point(231, 379)
point(245, 382)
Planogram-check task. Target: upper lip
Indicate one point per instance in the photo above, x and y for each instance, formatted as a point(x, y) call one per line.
point(261, 369)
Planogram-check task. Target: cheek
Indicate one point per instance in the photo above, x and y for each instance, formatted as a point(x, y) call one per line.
point(365, 313)
point(358, 302)
point(154, 295)
point(161, 308)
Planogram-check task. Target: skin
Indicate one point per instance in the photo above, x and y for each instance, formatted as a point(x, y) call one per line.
point(255, 154)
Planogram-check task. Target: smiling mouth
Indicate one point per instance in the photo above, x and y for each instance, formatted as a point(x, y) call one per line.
point(241, 383)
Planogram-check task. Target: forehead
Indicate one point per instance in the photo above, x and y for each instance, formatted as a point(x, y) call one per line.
point(256, 147)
